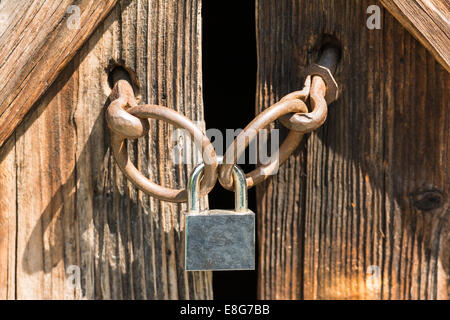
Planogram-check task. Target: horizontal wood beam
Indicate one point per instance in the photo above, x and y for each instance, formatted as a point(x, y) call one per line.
point(37, 40)
point(428, 21)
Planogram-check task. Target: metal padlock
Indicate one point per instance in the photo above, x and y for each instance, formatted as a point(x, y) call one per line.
point(219, 239)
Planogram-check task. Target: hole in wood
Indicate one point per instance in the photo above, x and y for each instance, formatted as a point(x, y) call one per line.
point(118, 71)
point(326, 43)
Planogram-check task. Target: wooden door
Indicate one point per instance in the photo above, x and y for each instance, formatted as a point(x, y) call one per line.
point(66, 211)
point(361, 211)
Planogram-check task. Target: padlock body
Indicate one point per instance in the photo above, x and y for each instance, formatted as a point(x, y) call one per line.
point(220, 240)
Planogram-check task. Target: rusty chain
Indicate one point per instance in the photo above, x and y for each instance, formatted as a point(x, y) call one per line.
point(128, 120)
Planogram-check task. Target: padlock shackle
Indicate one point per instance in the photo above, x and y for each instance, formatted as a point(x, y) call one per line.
point(240, 189)
point(194, 188)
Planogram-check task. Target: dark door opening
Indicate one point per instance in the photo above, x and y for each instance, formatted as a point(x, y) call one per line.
point(229, 88)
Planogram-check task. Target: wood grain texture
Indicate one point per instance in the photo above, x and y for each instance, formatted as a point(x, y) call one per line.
point(7, 221)
point(37, 40)
point(361, 211)
point(60, 184)
point(428, 21)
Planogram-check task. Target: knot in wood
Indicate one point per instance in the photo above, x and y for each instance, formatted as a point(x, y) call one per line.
point(427, 200)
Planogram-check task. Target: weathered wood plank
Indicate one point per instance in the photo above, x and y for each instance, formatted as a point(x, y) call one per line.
point(37, 40)
point(45, 182)
point(73, 205)
point(7, 221)
point(428, 21)
point(362, 211)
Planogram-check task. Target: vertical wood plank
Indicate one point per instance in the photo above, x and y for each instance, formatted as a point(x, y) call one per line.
point(46, 243)
point(75, 208)
point(8, 216)
point(366, 198)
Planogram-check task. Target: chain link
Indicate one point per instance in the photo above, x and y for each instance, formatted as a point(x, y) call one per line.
point(128, 120)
